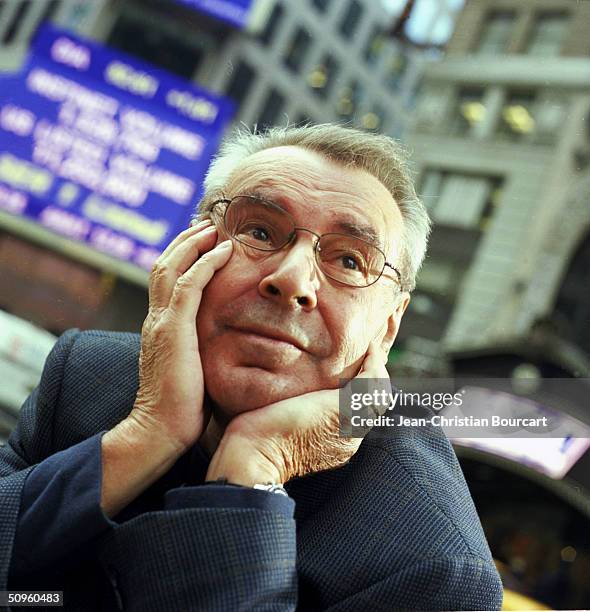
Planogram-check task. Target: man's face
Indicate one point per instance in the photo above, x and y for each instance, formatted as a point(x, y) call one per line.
point(271, 325)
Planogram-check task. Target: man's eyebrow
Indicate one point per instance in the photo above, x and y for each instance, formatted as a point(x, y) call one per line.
point(346, 226)
point(261, 195)
point(359, 230)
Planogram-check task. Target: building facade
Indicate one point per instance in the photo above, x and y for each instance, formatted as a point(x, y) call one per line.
point(500, 139)
point(316, 60)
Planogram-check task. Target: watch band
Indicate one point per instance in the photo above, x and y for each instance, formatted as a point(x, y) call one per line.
point(270, 487)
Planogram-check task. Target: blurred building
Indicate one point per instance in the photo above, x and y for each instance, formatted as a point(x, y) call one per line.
point(19, 20)
point(501, 142)
point(314, 60)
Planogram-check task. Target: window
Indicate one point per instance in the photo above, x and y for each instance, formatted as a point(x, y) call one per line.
point(430, 188)
point(430, 108)
point(440, 277)
point(322, 77)
point(495, 37)
point(373, 120)
point(469, 111)
point(351, 19)
point(321, 5)
point(272, 24)
point(241, 82)
point(153, 44)
point(532, 117)
point(272, 109)
point(517, 121)
point(461, 201)
point(396, 69)
point(550, 114)
point(349, 100)
point(548, 34)
point(300, 44)
point(375, 46)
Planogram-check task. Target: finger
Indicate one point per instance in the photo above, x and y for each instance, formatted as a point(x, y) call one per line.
point(169, 269)
point(376, 380)
point(374, 363)
point(187, 252)
point(188, 289)
point(187, 233)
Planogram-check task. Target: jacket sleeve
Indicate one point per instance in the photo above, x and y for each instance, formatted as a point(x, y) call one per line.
point(28, 444)
point(440, 583)
point(60, 511)
point(224, 551)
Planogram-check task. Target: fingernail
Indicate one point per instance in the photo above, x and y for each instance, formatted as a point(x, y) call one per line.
point(209, 230)
point(224, 245)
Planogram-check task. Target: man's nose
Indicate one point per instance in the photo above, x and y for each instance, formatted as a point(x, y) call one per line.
point(294, 280)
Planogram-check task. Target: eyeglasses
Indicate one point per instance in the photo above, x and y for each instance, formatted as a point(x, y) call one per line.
point(263, 225)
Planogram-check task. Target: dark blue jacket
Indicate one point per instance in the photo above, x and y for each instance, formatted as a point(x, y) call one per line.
point(394, 529)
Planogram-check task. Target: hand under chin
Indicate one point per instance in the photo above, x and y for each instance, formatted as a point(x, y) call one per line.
point(237, 388)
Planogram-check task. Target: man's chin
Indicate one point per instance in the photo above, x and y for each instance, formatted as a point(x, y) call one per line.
point(244, 389)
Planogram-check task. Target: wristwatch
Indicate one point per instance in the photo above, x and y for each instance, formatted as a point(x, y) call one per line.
point(270, 487)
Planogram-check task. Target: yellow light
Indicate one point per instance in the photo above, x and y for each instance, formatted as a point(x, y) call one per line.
point(519, 118)
point(345, 106)
point(370, 121)
point(474, 112)
point(568, 554)
point(318, 78)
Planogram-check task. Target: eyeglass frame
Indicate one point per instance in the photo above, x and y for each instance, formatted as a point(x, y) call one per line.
point(228, 201)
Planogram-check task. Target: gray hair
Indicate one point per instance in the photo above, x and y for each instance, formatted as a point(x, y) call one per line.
point(383, 157)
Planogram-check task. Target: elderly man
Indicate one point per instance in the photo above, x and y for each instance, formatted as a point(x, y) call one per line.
point(159, 487)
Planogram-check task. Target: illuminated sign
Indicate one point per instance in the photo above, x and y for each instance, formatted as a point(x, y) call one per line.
point(105, 149)
point(234, 12)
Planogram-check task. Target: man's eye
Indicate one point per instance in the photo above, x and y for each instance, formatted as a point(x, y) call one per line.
point(351, 262)
point(348, 261)
point(259, 233)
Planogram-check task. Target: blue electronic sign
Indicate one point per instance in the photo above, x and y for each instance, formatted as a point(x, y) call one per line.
point(234, 12)
point(103, 148)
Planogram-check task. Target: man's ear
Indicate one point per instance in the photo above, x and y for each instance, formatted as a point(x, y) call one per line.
point(394, 321)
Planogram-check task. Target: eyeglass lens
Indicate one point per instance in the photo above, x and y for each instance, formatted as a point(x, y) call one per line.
point(266, 226)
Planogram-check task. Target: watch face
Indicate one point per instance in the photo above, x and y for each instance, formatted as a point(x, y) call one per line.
point(272, 488)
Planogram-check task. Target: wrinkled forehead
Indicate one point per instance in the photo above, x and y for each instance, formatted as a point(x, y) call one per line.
point(310, 181)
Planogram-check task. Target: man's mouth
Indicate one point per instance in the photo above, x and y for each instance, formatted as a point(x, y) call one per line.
point(270, 334)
